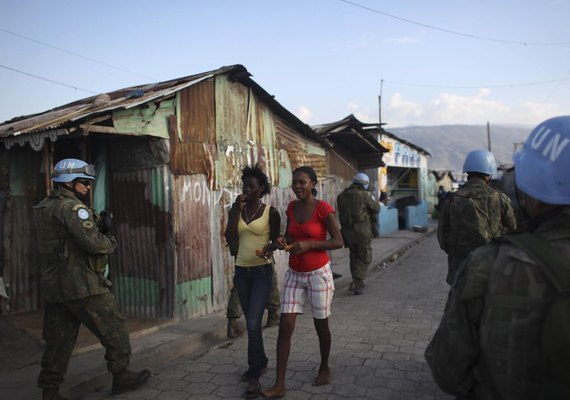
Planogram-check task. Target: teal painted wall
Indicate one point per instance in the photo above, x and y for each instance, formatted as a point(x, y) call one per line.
point(136, 293)
point(193, 298)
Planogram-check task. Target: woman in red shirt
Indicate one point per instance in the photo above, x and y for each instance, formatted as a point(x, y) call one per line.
point(309, 276)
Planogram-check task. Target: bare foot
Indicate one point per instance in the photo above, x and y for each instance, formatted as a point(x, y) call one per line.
point(274, 393)
point(323, 378)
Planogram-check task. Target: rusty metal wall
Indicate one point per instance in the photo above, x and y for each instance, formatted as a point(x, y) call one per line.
point(235, 141)
point(247, 132)
point(142, 267)
point(193, 129)
point(196, 106)
point(192, 209)
point(222, 261)
point(300, 150)
point(21, 272)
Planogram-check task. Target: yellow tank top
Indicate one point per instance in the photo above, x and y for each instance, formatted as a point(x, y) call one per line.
point(253, 237)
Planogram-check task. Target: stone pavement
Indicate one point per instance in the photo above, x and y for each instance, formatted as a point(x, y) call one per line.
point(378, 343)
point(392, 324)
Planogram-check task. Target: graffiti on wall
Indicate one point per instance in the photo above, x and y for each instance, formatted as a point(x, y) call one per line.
point(400, 154)
point(198, 192)
point(235, 157)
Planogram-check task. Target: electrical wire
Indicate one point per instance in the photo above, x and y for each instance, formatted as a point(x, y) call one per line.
point(75, 54)
point(48, 80)
point(435, 28)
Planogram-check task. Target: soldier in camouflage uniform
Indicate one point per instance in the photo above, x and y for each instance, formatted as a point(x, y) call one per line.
point(357, 208)
point(493, 341)
point(234, 311)
point(474, 214)
point(73, 244)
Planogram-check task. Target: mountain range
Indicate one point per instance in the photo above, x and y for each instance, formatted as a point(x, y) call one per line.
point(449, 144)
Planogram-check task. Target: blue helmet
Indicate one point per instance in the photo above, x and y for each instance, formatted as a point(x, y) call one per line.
point(68, 169)
point(542, 167)
point(361, 179)
point(481, 161)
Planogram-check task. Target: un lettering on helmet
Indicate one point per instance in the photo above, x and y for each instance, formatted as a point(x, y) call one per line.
point(68, 169)
point(542, 167)
point(480, 161)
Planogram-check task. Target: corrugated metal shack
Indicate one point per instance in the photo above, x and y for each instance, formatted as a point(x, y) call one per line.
point(169, 158)
point(354, 148)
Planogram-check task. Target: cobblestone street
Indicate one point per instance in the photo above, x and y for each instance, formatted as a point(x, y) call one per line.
point(378, 343)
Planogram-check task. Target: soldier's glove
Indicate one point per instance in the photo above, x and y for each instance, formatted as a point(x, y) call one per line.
point(106, 222)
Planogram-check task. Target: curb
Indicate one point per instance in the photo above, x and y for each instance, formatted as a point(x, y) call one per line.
point(383, 264)
point(175, 342)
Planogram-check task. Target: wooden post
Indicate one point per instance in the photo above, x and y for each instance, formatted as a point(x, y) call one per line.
point(488, 136)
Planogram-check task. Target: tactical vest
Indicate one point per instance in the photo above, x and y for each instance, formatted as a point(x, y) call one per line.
point(68, 271)
point(473, 218)
point(354, 215)
point(513, 360)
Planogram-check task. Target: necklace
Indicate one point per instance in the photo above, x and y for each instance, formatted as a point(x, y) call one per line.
point(247, 217)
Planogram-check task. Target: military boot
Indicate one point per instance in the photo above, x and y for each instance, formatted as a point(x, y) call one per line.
point(52, 394)
point(357, 286)
point(234, 330)
point(129, 380)
point(273, 318)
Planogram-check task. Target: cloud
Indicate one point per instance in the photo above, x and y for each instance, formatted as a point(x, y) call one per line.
point(532, 113)
point(305, 115)
point(352, 107)
point(452, 108)
point(449, 108)
point(363, 114)
point(445, 108)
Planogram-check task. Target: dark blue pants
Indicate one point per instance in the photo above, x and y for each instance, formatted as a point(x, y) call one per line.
point(253, 285)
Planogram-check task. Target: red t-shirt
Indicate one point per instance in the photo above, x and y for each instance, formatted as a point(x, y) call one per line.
point(313, 229)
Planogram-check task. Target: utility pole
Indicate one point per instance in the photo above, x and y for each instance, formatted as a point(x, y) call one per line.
point(380, 104)
point(488, 136)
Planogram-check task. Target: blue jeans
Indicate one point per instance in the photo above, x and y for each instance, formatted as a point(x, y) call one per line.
point(253, 285)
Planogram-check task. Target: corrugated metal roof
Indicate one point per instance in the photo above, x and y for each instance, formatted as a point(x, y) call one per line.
point(352, 135)
point(68, 115)
point(121, 99)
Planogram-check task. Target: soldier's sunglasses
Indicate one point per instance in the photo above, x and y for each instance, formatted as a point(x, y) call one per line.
point(84, 182)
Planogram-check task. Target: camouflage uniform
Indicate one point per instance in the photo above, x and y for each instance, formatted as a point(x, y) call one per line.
point(356, 209)
point(273, 303)
point(489, 338)
point(497, 218)
point(73, 255)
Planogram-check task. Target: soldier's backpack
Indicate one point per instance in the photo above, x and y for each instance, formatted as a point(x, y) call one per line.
point(555, 325)
point(465, 224)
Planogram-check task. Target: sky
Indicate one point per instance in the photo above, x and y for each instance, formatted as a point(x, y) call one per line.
point(420, 62)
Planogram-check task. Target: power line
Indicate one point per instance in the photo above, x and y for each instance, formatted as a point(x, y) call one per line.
point(435, 28)
point(75, 54)
point(512, 85)
point(566, 75)
point(48, 80)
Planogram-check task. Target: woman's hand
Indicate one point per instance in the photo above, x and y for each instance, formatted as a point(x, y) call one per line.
point(279, 244)
point(299, 248)
point(266, 252)
point(240, 201)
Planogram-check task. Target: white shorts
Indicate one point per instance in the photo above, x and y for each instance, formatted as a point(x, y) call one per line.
point(317, 286)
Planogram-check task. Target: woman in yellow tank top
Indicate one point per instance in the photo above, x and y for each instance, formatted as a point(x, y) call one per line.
point(255, 225)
